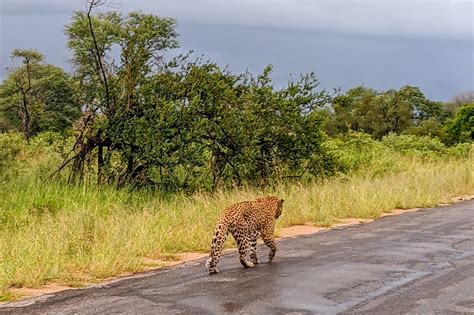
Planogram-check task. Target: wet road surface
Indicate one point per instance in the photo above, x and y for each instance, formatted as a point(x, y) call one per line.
point(419, 262)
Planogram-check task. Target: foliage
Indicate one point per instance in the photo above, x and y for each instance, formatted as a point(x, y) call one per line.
point(250, 131)
point(353, 151)
point(412, 145)
point(461, 127)
point(381, 113)
point(430, 127)
point(12, 146)
point(187, 125)
point(36, 158)
point(463, 98)
point(74, 234)
point(37, 97)
point(115, 57)
point(184, 124)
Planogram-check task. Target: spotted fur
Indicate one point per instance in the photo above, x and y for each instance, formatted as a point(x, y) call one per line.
point(246, 221)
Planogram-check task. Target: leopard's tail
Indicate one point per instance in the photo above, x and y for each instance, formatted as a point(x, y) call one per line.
point(218, 241)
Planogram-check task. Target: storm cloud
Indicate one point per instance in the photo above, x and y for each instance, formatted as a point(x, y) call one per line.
point(380, 44)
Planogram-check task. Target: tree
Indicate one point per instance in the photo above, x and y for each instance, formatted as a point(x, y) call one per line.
point(458, 100)
point(422, 109)
point(253, 132)
point(461, 127)
point(37, 97)
point(182, 123)
point(205, 127)
point(463, 98)
point(381, 113)
point(351, 109)
point(114, 57)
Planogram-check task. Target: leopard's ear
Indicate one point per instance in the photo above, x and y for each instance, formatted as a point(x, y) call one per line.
point(281, 201)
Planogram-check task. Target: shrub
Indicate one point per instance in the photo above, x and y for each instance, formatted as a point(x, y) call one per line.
point(38, 158)
point(415, 146)
point(358, 151)
point(12, 144)
point(461, 150)
point(461, 127)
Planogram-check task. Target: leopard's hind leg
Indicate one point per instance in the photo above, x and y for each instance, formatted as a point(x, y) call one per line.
point(216, 248)
point(253, 247)
point(241, 236)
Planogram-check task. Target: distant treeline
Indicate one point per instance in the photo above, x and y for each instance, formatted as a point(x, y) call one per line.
point(186, 123)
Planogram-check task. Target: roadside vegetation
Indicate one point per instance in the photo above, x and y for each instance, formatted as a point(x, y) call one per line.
point(52, 231)
point(134, 156)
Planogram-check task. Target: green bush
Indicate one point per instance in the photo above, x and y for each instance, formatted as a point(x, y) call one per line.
point(359, 152)
point(415, 146)
point(355, 152)
point(461, 127)
point(461, 150)
point(38, 158)
point(340, 156)
point(12, 145)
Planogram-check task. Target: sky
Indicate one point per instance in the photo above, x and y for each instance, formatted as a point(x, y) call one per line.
point(380, 44)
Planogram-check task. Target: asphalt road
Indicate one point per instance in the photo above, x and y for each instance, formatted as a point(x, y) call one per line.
point(419, 262)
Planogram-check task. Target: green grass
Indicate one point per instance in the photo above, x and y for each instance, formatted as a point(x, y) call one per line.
point(51, 232)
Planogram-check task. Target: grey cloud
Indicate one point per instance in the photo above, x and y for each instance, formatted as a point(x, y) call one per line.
point(381, 44)
point(441, 68)
point(39, 7)
point(435, 18)
point(447, 19)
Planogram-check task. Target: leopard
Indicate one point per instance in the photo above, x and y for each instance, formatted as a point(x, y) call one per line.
point(246, 222)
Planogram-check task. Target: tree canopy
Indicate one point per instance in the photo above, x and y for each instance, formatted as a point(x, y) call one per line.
point(144, 118)
point(37, 97)
point(380, 113)
point(461, 127)
point(177, 122)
